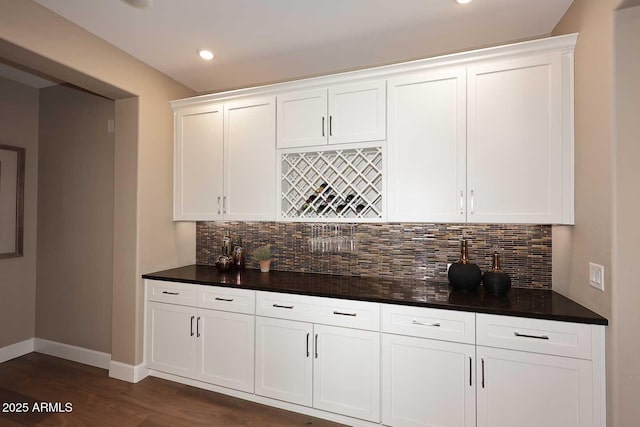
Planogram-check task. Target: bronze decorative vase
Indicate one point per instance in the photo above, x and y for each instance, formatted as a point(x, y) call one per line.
point(464, 275)
point(496, 281)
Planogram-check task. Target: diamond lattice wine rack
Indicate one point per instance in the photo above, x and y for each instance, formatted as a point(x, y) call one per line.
point(332, 184)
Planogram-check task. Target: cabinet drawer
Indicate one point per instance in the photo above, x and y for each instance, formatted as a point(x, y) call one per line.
point(534, 335)
point(171, 292)
point(227, 299)
point(447, 325)
point(328, 311)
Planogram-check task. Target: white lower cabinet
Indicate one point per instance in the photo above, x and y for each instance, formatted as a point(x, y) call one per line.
point(427, 382)
point(284, 367)
point(428, 367)
point(346, 374)
point(532, 390)
point(363, 363)
point(207, 345)
point(214, 346)
point(327, 367)
point(319, 352)
point(171, 346)
point(226, 349)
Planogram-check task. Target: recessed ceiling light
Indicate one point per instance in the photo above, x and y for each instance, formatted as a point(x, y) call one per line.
point(138, 3)
point(205, 54)
point(463, 1)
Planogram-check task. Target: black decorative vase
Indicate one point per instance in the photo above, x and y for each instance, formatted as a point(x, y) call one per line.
point(496, 281)
point(464, 275)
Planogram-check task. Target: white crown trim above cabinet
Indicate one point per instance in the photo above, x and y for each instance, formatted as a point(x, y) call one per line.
point(484, 136)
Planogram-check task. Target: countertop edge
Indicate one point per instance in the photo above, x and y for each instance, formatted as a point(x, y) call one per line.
point(596, 319)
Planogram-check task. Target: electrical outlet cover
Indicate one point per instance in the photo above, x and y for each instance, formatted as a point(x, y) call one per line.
point(596, 276)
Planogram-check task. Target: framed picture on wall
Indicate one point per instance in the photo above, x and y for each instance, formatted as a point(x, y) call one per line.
point(11, 200)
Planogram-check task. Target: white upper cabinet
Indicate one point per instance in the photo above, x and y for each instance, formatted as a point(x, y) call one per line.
point(198, 163)
point(357, 112)
point(483, 136)
point(225, 162)
point(515, 144)
point(489, 143)
point(427, 146)
point(250, 160)
point(340, 114)
point(302, 118)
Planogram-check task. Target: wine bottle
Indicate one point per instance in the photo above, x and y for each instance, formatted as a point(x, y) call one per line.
point(322, 187)
point(308, 203)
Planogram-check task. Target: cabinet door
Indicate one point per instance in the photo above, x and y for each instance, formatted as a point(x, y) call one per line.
point(357, 112)
point(283, 360)
point(515, 141)
point(530, 390)
point(427, 382)
point(198, 163)
point(171, 340)
point(226, 349)
point(302, 119)
point(346, 374)
point(250, 160)
point(427, 147)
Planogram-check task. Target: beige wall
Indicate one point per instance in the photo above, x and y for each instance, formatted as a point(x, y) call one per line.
point(39, 38)
point(590, 239)
point(75, 218)
point(19, 124)
point(626, 294)
point(607, 94)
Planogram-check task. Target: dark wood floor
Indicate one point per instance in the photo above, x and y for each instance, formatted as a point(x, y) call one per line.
point(98, 400)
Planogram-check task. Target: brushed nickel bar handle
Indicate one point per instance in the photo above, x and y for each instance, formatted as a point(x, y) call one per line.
point(316, 346)
point(345, 314)
point(538, 337)
point(322, 125)
point(482, 361)
point(470, 371)
point(198, 327)
point(224, 299)
point(461, 202)
point(308, 344)
point(219, 206)
point(171, 293)
point(283, 306)
point(436, 324)
point(472, 202)
point(224, 204)
point(192, 317)
point(330, 125)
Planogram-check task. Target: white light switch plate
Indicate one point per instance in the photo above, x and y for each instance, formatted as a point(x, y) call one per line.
point(596, 276)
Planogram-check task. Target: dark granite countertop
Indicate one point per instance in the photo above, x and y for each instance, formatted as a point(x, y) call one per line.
point(534, 303)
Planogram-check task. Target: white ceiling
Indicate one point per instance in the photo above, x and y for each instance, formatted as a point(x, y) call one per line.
point(258, 41)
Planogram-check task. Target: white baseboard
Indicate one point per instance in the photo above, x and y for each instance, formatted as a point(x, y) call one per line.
point(73, 353)
point(129, 373)
point(16, 350)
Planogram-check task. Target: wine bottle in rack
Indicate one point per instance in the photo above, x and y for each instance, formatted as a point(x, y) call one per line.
point(327, 196)
point(322, 187)
point(308, 203)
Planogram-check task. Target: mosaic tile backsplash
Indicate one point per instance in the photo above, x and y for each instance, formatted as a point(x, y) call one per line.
point(412, 251)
